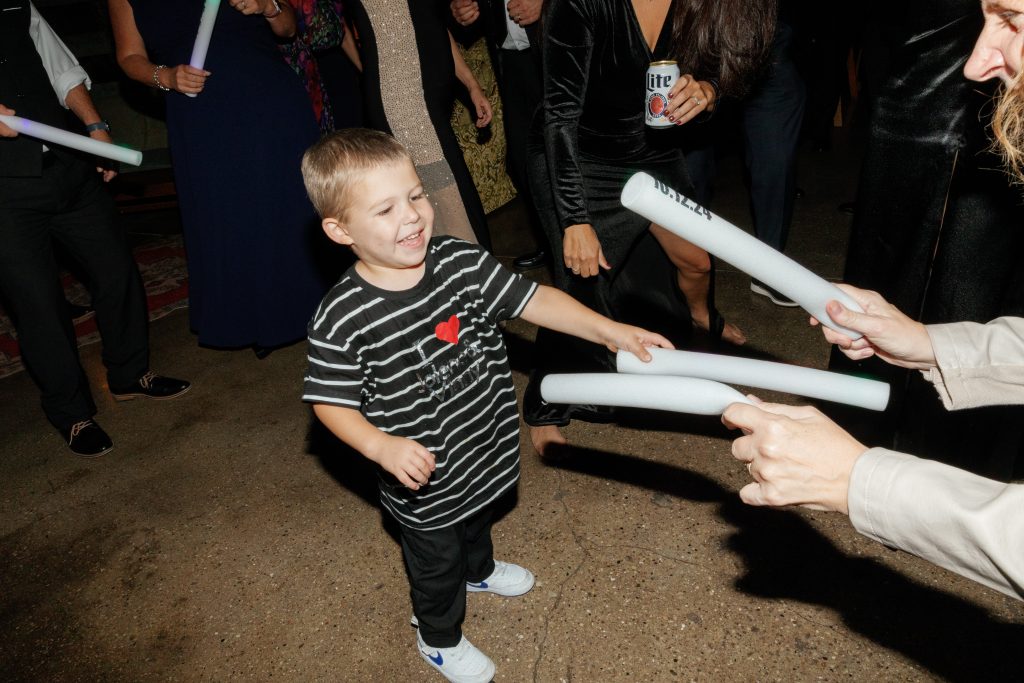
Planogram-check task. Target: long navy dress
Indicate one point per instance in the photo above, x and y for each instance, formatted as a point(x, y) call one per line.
point(250, 231)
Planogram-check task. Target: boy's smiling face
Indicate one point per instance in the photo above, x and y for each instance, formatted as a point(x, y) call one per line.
point(388, 224)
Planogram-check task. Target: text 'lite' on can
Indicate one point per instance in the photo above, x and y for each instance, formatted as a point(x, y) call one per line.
point(661, 76)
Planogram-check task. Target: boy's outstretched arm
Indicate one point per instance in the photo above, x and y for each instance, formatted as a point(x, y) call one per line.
point(556, 310)
point(411, 463)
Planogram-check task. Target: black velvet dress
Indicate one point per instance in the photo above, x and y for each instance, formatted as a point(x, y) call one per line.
point(590, 138)
point(939, 229)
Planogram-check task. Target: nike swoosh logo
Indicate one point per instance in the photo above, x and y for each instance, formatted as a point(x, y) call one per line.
point(436, 659)
point(482, 584)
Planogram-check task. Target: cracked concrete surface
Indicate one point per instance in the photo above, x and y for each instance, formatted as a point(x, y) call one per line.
point(225, 538)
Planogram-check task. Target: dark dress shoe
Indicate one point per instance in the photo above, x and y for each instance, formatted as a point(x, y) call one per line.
point(530, 261)
point(152, 385)
point(87, 439)
point(847, 207)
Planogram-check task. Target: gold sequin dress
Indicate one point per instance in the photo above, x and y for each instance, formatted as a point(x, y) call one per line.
point(410, 85)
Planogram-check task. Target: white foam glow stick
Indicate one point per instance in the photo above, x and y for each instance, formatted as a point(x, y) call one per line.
point(202, 44)
point(677, 394)
point(793, 379)
point(662, 205)
point(83, 143)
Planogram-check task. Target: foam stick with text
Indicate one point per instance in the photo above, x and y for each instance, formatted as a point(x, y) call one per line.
point(793, 379)
point(668, 208)
point(676, 394)
point(82, 143)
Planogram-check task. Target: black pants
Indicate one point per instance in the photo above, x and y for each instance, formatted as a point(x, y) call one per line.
point(439, 563)
point(69, 206)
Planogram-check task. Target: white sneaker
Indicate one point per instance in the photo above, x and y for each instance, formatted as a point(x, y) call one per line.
point(507, 579)
point(460, 664)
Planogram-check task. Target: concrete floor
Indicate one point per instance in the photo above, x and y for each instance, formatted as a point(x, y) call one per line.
point(226, 538)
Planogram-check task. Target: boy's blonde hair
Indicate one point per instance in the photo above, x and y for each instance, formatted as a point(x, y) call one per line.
point(336, 163)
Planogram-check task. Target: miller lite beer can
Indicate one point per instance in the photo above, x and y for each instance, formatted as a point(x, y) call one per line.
point(661, 76)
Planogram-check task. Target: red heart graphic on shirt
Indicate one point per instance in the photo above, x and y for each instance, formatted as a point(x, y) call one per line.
point(448, 331)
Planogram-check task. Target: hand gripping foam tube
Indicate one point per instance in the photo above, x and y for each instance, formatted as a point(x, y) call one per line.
point(661, 204)
point(82, 143)
point(676, 394)
point(202, 44)
point(829, 386)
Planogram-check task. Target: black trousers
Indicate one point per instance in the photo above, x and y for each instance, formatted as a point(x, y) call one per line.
point(439, 563)
point(69, 206)
point(521, 88)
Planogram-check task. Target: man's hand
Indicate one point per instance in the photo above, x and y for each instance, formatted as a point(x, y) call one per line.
point(525, 12)
point(108, 172)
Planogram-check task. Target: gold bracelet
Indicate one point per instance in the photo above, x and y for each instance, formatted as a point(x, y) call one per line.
point(156, 79)
point(276, 14)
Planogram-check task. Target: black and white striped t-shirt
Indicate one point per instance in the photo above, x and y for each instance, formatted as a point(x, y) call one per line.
point(429, 364)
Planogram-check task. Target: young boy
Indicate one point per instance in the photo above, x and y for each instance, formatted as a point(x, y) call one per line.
point(407, 365)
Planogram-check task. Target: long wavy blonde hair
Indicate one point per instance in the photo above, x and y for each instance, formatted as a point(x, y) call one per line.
point(1008, 126)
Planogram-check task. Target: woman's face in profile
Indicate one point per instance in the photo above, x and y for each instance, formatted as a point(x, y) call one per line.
point(998, 52)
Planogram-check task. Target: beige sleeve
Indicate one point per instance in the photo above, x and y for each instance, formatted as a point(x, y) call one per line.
point(978, 365)
point(968, 524)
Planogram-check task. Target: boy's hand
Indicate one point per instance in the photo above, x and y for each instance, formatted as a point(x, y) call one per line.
point(633, 339)
point(411, 463)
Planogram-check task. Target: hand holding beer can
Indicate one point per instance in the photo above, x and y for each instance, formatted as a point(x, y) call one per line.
point(661, 76)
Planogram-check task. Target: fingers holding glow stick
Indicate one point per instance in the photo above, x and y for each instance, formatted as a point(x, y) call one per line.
point(887, 332)
point(676, 394)
point(829, 386)
point(5, 130)
point(83, 143)
point(664, 206)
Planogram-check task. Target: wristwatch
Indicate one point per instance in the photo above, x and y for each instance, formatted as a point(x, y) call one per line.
point(99, 125)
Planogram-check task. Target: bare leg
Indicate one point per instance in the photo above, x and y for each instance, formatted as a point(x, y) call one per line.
point(693, 266)
point(545, 436)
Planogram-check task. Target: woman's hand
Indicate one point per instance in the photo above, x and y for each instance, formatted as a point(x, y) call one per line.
point(888, 333)
point(582, 252)
point(183, 78)
point(688, 98)
point(253, 6)
point(482, 106)
point(795, 454)
point(6, 131)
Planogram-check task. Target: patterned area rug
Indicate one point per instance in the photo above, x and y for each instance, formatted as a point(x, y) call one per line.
point(162, 265)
